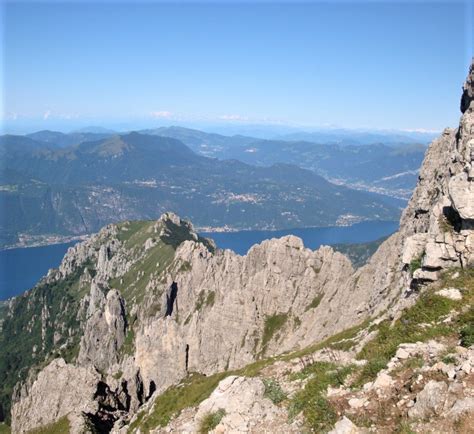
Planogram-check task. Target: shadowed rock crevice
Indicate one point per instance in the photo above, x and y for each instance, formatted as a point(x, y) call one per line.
point(151, 390)
point(102, 422)
point(452, 218)
point(171, 298)
point(187, 357)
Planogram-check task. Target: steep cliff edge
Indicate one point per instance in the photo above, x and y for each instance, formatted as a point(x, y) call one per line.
point(142, 306)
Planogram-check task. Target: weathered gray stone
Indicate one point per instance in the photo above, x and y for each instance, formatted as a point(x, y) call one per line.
point(59, 390)
point(461, 191)
point(430, 401)
point(345, 426)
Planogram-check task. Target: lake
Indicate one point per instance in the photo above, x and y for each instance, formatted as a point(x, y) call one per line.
point(240, 242)
point(21, 268)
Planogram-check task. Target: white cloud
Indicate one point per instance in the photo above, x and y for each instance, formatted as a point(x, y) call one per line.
point(163, 114)
point(11, 116)
point(233, 118)
point(47, 114)
point(421, 130)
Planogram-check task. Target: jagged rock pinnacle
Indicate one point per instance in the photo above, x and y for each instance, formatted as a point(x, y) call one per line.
point(468, 89)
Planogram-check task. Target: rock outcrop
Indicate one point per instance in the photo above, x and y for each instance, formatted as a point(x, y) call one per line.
point(442, 206)
point(242, 406)
point(104, 331)
point(59, 390)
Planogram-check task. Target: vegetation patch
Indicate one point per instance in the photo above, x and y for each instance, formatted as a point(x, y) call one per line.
point(211, 297)
point(320, 416)
point(273, 323)
point(60, 427)
point(444, 224)
point(331, 342)
point(128, 346)
point(314, 303)
point(467, 335)
point(191, 392)
point(273, 391)
point(421, 322)
point(185, 266)
point(132, 284)
point(211, 420)
point(200, 301)
point(416, 263)
point(412, 363)
point(134, 233)
point(23, 330)
point(118, 375)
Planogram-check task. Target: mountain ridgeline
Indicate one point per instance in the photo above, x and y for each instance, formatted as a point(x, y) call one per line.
point(378, 163)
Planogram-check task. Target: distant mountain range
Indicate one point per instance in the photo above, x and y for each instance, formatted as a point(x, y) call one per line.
point(51, 185)
point(390, 169)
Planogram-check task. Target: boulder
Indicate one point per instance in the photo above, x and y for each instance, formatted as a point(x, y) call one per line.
point(430, 401)
point(451, 293)
point(461, 191)
point(345, 426)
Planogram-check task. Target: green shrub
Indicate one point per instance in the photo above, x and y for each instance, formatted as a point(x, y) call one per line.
point(416, 263)
point(211, 420)
point(467, 335)
point(318, 412)
point(449, 359)
point(273, 391)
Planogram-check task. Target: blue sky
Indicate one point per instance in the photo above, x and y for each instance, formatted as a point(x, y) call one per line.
point(379, 64)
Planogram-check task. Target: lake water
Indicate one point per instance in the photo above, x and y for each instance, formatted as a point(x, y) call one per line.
point(240, 242)
point(21, 268)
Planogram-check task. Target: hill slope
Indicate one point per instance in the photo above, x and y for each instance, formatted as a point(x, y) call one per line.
point(79, 189)
point(379, 166)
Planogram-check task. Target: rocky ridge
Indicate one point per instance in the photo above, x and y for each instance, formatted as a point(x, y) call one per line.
point(144, 306)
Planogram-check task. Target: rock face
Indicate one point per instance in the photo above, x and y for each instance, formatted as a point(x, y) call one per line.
point(104, 331)
point(468, 91)
point(50, 397)
point(442, 207)
point(437, 227)
point(229, 310)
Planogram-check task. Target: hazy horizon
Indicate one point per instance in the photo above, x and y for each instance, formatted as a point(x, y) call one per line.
point(362, 65)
